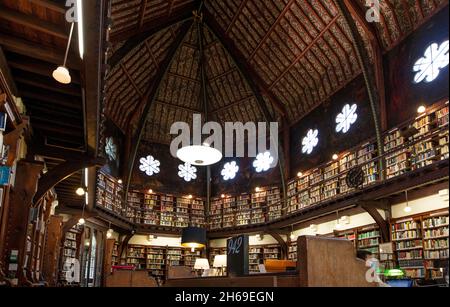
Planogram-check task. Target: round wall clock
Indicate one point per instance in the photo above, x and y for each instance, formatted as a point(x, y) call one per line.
point(355, 177)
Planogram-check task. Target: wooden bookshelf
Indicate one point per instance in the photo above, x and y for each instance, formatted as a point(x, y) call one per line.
point(214, 251)
point(189, 257)
point(255, 257)
point(422, 244)
point(146, 208)
point(349, 234)
point(109, 196)
point(369, 239)
point(136, 256)
point(366, 155)
point(155, 262)
point(259, 253)
point(407, 236)
point(70, 252)
point(397, 161)
point(292, 251)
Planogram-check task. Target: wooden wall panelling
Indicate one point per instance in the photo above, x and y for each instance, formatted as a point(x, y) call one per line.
point(107, 259)
point(21, 197)
point(50, 265)
point(3, 218)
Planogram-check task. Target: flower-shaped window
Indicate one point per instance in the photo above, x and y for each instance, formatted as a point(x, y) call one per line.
point(187, 172)
point(347, 118)
point(229, 171)
point(435, 58)
point(149, 166)
point(263, 162)
point(310, 141)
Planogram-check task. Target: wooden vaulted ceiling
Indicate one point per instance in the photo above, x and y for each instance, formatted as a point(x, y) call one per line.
point(33, 38)
point(299, 53)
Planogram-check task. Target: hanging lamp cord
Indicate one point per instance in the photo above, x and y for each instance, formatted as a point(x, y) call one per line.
point(68, 44)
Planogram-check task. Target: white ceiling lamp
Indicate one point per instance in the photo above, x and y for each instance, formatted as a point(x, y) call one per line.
point(407, 208)
point(80, 27)
point(61, 74)
point(110, 232)
point(199, 155)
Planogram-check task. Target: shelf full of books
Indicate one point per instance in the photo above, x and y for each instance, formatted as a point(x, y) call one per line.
point(70, 252)
point(109, 194)
point(421, 244)
point(157, 259)
point(148, 208)
point(246, 209)
point(403, 151)
point(259, 253)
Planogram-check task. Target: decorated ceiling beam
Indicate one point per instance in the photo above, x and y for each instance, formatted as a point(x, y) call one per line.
point(375, 43)
point(37, 51)
point(252, 80)
point(94, 17)
point(49, 4)
point(32, 22)
point(151, 96)
point(143, 34)
point(246, 70)
point(369, 77)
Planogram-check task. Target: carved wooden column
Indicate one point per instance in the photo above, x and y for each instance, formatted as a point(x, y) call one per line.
point(21, 196)
point(50, 266)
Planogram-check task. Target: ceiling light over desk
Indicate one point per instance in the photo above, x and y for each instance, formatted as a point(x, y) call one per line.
point(193, 238)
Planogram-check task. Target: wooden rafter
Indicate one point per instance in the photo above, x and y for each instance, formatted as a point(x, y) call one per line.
point(236, 16)
point(50, 179)
point(137, 39)
point(245, 69)
point(250, 78)
point(375, 44)
point(32, 22)
point(304, 52)
point(51, 5)
point(154, 26)
point(136, 88)
point(37, 67)
point(37, 51)
point(150, 97)
point(286, 9)
point(142, 13)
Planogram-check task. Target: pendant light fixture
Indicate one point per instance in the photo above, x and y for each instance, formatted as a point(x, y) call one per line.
point(407, 208)
point(61, 74)
point(200, 154)
point(292, 236)
point(193, 238)
point(110, 232)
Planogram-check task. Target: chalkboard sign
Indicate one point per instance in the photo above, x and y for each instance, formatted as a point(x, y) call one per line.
point(237, 256)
